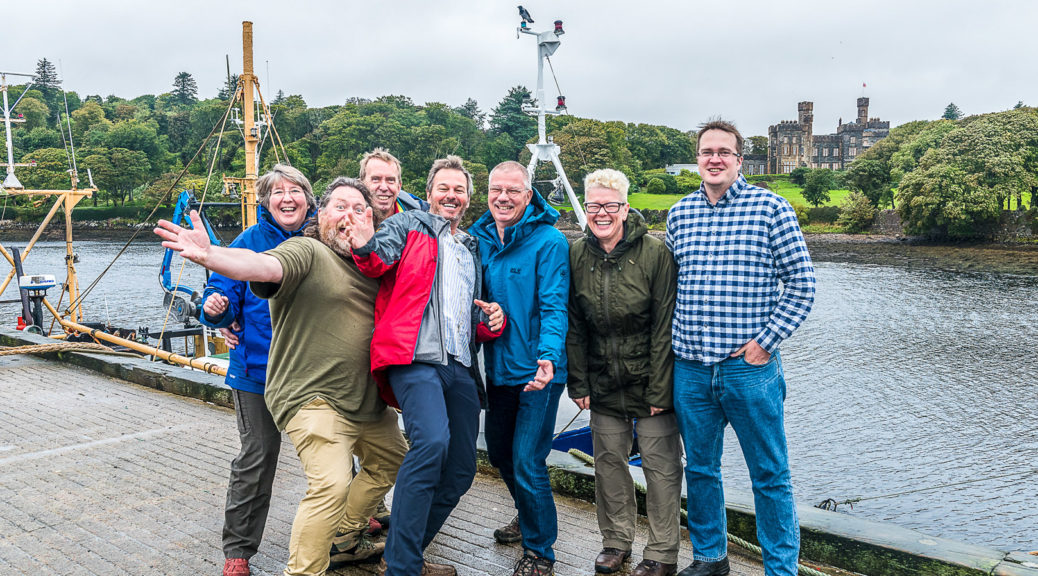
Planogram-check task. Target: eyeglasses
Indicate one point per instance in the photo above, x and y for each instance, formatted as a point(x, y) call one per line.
point(610, 207)
point(290, 192)
point(722, 154)
point(512, 192)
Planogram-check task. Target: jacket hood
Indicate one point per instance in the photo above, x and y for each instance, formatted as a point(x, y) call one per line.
point(267, 222)
point(634, 229)
point(537, 212)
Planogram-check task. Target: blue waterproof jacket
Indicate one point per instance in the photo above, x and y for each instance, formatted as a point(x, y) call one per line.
point(248, 369)
point(528, 275)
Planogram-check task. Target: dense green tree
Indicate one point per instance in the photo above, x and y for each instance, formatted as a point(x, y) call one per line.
point(35, 111)
point(907, 156)
point(142, 137)
point(117, 172)
point(50, 172)
point(872, 179)
point(952, 112)
point(508, 118)
point(857, 213)
point(46, 76)
point(817, 185)
point(230, 86)
point(41, 137)
point(90, 116)
point(470, 109)
point(1019, 104)
point(185, 89)
point(961, 185)
point(756, 145)
point(798, 175)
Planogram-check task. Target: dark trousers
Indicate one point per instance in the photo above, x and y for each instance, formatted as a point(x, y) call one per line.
point(518, 429)
point(252, 476)
point(440, 408)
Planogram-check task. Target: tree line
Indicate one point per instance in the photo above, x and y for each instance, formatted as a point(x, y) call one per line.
point(134, 147)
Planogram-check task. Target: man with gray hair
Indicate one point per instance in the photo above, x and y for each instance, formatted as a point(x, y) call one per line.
point(428, 321)
point(525, 262)
point(319, 389)
point(380, 172)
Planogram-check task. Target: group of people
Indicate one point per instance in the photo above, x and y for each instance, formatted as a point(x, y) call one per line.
point(369, 299)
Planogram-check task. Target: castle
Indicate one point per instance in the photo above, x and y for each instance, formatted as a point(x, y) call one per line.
point(792, 144)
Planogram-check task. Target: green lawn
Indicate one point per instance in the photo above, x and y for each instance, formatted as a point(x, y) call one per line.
point(791, 192)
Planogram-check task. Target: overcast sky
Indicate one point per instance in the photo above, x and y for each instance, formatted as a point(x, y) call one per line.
point(671, 62)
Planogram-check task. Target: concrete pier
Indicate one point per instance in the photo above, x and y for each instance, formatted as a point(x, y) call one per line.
point(99, 476)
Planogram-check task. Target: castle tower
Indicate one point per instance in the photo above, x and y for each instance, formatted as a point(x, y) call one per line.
point(863, 111)
point(806, 118)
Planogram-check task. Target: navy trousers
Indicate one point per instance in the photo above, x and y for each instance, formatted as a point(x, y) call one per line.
point(441, 418)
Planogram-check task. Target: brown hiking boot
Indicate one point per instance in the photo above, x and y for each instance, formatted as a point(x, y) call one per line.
point(509, 534)
point(610, 560)
point(354, 550)
point(428, 569)
point(654, 568)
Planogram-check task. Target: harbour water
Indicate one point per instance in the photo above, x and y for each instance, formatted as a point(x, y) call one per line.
point(916, 370)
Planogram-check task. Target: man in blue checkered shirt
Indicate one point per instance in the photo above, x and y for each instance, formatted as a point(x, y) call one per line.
point(745, 283)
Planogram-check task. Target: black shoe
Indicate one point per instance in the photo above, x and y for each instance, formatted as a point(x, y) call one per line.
point(700, 568)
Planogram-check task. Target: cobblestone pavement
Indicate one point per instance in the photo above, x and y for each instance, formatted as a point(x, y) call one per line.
point(102, 477)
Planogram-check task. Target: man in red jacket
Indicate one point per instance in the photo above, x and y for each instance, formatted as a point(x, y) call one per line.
point(423, 354)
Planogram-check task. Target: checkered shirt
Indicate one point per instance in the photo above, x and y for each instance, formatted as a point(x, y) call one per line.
point(731, 257)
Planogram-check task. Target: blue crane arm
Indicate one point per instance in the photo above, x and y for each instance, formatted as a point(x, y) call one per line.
point(185, 203)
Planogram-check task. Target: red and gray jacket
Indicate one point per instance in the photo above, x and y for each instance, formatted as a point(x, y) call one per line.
point(408, 309)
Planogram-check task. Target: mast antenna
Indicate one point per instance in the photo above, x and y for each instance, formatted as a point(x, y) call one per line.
point(545, 150)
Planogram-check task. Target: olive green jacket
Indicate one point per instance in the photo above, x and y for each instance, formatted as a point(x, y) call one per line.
point(620, 311)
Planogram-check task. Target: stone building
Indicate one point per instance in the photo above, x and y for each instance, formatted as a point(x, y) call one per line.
point(792, 143)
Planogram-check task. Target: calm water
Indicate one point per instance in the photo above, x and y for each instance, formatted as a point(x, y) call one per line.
point(917, 368)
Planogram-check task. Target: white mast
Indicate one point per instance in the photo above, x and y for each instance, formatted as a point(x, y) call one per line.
point(545, 150)
point(11, 181)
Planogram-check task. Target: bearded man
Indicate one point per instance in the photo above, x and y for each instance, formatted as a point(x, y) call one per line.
point(319, 387)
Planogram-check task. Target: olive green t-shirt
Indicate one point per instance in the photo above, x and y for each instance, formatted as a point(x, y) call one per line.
point(322, 314)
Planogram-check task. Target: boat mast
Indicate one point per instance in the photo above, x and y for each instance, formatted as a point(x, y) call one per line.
point(251, 132)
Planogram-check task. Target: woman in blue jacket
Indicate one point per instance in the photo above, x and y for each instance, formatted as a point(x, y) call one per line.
point(286, 202)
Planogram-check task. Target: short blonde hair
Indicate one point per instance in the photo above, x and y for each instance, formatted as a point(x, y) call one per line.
point(608, 178)
point(266, 183)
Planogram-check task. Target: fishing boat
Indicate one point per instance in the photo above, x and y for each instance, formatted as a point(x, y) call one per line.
point(249, 115)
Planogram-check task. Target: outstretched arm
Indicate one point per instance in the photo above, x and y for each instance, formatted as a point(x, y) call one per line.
point(236, 263)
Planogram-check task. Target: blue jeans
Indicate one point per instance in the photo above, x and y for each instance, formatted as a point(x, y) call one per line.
point(441, 418)
point(750, 398)
point(518, 428)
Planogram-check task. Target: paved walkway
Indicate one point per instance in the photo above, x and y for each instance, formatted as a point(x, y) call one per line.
point(102, 477)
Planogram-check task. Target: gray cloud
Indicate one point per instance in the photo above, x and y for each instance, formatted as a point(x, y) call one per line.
point(673, 63)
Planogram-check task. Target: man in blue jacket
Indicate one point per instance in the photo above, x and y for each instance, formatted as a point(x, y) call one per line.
point(286, 202)
point(526, 270)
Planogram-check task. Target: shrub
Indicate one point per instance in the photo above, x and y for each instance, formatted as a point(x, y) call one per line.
point(857, 214)
point(824, 214)
point(803, 217)
point(656, 186)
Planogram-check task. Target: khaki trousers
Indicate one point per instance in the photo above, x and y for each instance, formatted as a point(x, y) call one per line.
point(617, 508)
point(326, 442)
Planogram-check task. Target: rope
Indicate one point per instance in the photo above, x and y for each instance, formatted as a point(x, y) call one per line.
point(57, 347)
point(805, 570)
point(830, 504)
point(570, 423)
